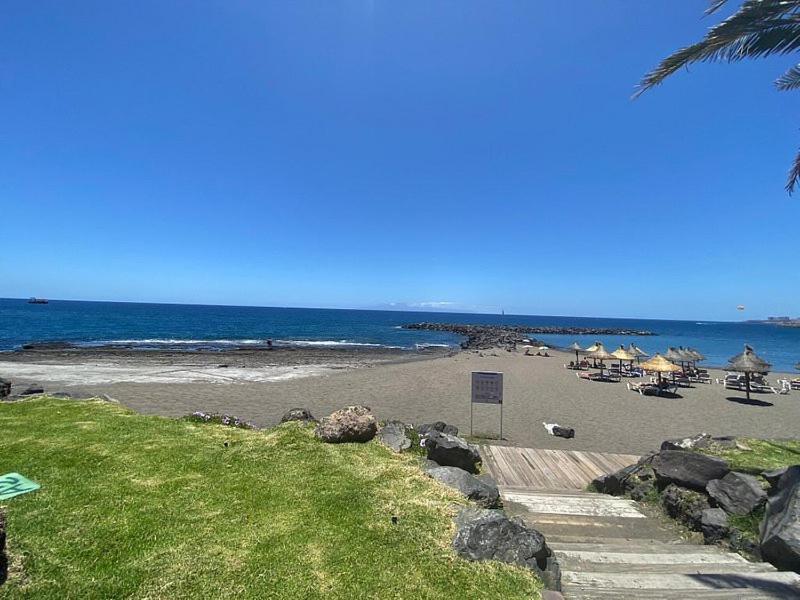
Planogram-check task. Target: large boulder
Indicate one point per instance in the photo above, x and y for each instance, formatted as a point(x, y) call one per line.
point(32, 390)
point(773, 477)
point(490, 535)
point(685, 505)
point(714, 525)
point(700, 440)
point(737, 493)
point(350, 424)
point(688, 469)
point(393, 435)
point(5, 388)
point(481, 491)
point(440, 426)
point(452, 451)
point(638, 477)
point(780, 529)
point(298, 414)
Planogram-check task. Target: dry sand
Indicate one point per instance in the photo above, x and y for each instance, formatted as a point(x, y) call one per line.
point(606, 416)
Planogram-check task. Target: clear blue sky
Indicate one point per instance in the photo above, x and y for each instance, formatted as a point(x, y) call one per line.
point(362, 153)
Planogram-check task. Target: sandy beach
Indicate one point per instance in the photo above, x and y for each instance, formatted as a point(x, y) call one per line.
point(606, 416)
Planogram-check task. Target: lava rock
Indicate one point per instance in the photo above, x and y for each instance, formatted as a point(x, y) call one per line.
point(32, 390)
point(739, 542)
point(685, 505)
point(298, 414)
point(350, 424)
point(60, 395)
point(625, 480)
point(490, 535)
point(564, 432)
point(773, 477)
point(714, 525)
point(440, 426)
point(701, 440)
point(484, 493)
point(688, 469)
point(452, 451)
point(737, 493)
point(780, 529)
point(5, 388)
point(393, 435)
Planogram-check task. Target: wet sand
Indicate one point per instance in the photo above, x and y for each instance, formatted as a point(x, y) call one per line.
point(606, 416)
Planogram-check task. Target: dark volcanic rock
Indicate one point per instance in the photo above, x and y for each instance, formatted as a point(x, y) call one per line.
point(564, 432)
point(483, 337)
point(780, 529)
point(714, 525)
point(298, 414)
point(701, 440)
point(685, 505)
point(490, 535)
point(773, 476)
point(638, 476)
point(452, 451)
point(688, 469)
point(351, 424)
point(481, 491)
point(32, 390)
point(5, 388)
point(737, 493)
point(393, 435)
point(440, 426)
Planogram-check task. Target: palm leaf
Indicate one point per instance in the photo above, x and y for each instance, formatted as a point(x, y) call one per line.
point(794, 175)
point(789, 80)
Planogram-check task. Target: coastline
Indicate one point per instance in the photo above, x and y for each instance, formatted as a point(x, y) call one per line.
point(420, 387)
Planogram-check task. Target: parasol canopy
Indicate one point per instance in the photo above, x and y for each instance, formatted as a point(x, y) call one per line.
point(676, 355)
point(601, 353)
point(623, 354)
point(636, 351)
point(594, 347)
point(748, 362)
point(659, 364)
point(697, 356)
point(576, 348)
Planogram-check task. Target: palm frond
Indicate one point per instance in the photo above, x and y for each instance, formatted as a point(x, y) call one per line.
point(759, 28)
point(794, 175)
point(789, 80)
point(715, 6)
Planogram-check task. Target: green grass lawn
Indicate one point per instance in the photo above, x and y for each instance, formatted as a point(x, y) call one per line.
point(148, 507)
point(759, 455)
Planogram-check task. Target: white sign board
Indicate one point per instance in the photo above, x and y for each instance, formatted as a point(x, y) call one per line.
point(487, 387)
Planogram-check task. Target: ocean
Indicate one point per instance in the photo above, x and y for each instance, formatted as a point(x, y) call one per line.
point(191, 327)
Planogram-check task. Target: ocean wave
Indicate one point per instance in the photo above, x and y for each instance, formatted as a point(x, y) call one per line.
point(423, 346)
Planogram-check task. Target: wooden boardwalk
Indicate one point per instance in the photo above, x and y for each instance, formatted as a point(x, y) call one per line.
point(549, 469)
point(606, 547)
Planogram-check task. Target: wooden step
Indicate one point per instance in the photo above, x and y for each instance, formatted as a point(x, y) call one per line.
point(779, 582)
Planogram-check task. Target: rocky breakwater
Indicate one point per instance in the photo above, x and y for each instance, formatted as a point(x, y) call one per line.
point(482, 337)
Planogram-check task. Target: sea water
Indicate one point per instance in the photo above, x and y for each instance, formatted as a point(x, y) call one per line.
point(191, 327)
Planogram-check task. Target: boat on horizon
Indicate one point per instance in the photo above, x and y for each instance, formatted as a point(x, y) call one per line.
point(35, 300)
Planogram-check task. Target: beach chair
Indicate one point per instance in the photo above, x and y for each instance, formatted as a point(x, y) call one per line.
point(795, 384)
point(785, 387)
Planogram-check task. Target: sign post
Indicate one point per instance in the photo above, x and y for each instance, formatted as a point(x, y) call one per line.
point(487, 388)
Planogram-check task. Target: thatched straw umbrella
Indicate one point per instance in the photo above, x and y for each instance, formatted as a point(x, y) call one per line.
point(748, 362)
point(637, 352)
point(576, 348)
point(623, 354)
point(660, 365)
point(594, 348)
point(601, 354)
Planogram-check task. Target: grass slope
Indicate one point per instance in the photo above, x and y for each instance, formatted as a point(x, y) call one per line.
point(755, 456)
point(137, 506)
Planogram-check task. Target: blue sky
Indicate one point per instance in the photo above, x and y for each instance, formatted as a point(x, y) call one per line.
point(373, 153)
